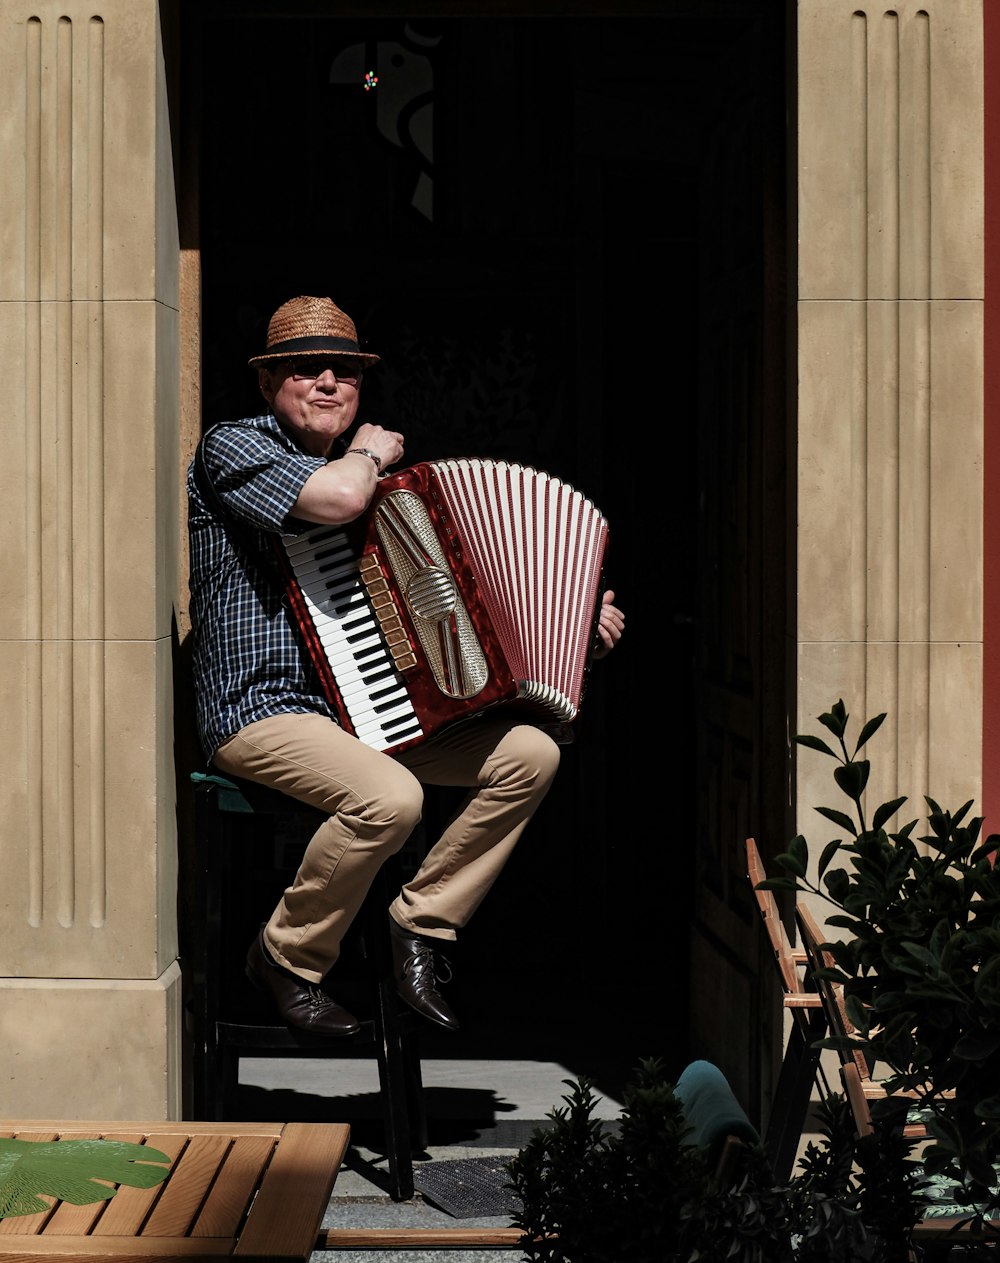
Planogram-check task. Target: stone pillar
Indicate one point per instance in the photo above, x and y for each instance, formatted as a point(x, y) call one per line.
point(90, 1000)
point(890, 404)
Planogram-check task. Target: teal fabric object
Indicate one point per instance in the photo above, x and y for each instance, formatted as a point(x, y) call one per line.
point(229, 797)
point(711, 1109)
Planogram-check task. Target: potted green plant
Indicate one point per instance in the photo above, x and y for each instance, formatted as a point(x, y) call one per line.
point(640, 1190)
point(918, 957)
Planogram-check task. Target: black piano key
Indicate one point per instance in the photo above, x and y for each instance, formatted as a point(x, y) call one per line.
point(391, 691)
point(392, 727)
point(357, 629)
point(373, 677)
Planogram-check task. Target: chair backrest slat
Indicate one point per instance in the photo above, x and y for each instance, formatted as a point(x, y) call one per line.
point(831, 994)
point(790, 963)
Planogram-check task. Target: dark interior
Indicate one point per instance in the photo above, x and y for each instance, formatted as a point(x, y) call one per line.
point(525, 217)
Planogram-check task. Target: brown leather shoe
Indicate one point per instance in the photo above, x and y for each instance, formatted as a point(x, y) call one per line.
point(301, 1004)
point(415, 970)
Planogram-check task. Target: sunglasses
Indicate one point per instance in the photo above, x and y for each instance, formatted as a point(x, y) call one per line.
point(346, 371)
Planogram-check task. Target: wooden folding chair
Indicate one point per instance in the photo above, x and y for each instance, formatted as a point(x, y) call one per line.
point(943, 1228)
point(801, 1067)
point(939, 1232)
point(839, 1023)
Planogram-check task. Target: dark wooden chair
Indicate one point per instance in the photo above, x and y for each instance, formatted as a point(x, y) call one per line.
point(249, 842)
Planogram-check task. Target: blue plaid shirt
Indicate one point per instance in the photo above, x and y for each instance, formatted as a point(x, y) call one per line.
point(249, 661)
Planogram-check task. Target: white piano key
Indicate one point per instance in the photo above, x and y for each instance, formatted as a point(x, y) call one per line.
point(382, 721)
point(372, 691)
point(340, 649)
point(395, 692)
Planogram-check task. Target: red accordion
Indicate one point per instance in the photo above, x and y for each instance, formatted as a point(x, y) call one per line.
point(467, 584)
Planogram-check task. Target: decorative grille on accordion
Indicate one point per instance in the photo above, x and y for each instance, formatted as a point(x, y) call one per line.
point(468, 583)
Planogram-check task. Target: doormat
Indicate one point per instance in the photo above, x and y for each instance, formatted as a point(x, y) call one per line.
point(468, 1187)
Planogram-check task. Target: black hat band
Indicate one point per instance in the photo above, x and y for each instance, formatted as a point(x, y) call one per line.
point(301, 346)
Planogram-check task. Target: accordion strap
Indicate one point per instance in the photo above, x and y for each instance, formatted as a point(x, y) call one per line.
point(205, 485)
point(209, 491)
point(240, 534)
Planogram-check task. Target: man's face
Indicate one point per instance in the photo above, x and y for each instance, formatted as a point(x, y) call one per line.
point(314, 400)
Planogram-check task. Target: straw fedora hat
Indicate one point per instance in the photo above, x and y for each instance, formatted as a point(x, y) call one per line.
point(311, 326)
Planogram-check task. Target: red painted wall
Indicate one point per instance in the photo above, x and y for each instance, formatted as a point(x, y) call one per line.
point(991, 456)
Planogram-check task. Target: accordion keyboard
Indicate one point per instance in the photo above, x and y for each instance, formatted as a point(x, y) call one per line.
point(373, 691)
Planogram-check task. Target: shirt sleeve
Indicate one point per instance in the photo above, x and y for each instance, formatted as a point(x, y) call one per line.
point(256, 476)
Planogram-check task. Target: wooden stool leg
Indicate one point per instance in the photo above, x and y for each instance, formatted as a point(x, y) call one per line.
point(394, 1050)
point(395, 1109)
point(414, 1091)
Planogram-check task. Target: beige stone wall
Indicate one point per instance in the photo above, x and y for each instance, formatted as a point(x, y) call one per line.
point(890, 407)
point(90, 1009)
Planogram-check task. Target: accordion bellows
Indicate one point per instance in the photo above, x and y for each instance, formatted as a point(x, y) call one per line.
point(469, 583)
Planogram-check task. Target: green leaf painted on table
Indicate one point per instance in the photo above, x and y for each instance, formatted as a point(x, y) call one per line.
point(69, 1170)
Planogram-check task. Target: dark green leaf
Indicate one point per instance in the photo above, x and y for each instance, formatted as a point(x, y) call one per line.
point(963, 811)
point(869, 730)
point(837, 719)
point(989, 1109)
point(852, 778)
point(977, 1046)
point(838, 883)
point(829, 851)
point(815, 743)
point(921, 953)
point(778, 883)
point(883, 813)
point(839, 817)
point(798, 848)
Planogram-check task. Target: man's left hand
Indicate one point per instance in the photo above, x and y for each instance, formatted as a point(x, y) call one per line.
point(610, 625)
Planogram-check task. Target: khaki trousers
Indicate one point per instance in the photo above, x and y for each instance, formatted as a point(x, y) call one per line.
point(373, 802)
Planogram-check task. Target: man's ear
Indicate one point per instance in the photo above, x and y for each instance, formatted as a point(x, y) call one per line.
point(264, 382)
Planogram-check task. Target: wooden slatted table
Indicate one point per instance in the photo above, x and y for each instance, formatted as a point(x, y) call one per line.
point(251, 1191)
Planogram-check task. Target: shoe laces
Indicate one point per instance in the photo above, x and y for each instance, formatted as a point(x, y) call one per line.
point(318, 996)
point(428, 966)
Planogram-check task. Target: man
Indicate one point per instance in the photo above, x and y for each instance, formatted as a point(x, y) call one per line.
point(263, 716)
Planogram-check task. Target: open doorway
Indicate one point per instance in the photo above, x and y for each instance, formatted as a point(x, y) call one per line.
point(560, 234)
